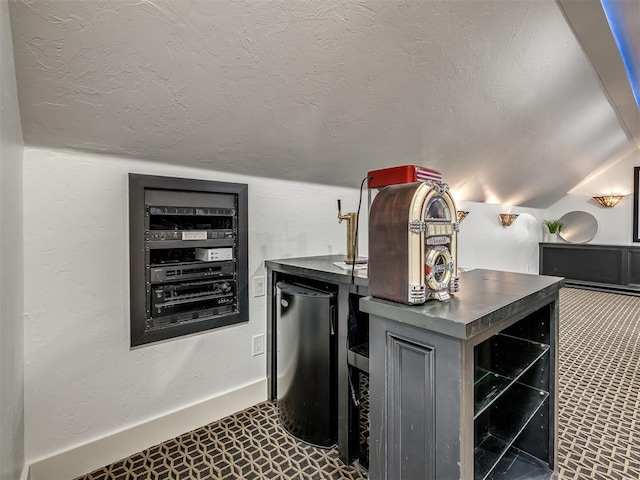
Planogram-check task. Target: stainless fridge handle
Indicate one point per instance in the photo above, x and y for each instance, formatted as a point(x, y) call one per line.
point(333, 319)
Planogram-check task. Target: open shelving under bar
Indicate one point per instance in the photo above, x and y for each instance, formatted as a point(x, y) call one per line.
point(358, 356)
point(518, 464)
point(517, 405)
point(517, 357)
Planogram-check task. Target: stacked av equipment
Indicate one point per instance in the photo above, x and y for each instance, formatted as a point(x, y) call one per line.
point(413, 243)
point(188, 256)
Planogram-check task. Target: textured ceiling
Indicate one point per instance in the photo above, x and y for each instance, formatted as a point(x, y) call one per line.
point(497, 95)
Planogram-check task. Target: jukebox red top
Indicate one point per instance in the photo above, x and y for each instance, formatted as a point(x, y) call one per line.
point(402, 174)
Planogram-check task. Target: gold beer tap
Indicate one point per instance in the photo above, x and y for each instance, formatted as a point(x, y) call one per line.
point(352, 225)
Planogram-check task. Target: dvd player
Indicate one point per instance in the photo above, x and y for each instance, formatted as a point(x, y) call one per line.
point(180, 272)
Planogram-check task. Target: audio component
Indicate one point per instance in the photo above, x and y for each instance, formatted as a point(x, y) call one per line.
point(214, 254)
point(161, 235)
point(181, 272)
point(189, 211)
point(413, 243)
point(202, 314)
point(187, 297)
point(190, 291)
point(182, 262)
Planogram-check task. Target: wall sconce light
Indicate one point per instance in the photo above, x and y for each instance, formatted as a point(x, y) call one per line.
point(608, 201)
point(507, 218)
point(461, 215)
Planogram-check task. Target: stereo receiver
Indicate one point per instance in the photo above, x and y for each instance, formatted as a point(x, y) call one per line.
point(185, 297)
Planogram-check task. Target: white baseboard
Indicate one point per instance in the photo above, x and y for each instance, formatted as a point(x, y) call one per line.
point(25, 473)
point(104, 451)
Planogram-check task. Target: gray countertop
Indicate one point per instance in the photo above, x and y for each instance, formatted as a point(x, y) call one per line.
point(319, 267)
point(486, 297)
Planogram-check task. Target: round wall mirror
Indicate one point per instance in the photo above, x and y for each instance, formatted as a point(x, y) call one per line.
point(578, 227)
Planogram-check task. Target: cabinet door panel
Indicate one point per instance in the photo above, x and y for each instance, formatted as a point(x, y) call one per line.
point(416, 415)
point(602, 265)
point(634, 267)
point(410, 405)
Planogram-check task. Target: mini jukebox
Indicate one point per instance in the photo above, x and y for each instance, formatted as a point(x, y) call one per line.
point(413, 243)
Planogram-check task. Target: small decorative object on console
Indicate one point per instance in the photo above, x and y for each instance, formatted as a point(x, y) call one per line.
point(413, 243)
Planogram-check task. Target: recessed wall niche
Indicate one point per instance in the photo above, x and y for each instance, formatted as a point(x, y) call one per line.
point(188, 256)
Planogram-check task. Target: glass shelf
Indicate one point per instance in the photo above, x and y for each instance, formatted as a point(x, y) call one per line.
point(518, 464)
point(361, 349)
point(509, 358)
point(509, 416)
point(358, 356)
point(487, 389)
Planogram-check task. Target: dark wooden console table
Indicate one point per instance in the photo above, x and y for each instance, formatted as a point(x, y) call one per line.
point(613, 268)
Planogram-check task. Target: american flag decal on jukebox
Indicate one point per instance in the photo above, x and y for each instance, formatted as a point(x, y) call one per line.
point(413, 243)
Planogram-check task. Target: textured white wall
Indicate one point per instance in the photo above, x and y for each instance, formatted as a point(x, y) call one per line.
point(485, 243)
point(82, 380)
point(11, 284)
point(615, 224)
point(498, 95)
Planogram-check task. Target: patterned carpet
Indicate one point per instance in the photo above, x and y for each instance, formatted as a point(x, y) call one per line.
point(249, 445)
point(599, 386)
point(599, 423)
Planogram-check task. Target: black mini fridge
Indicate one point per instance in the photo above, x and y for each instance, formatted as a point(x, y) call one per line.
point(306, 363)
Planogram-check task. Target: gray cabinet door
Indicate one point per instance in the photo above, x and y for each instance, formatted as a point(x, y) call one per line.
point(410, 402)
point(415, 381)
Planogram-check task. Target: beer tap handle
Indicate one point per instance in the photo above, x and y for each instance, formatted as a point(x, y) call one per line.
point(339, 211)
